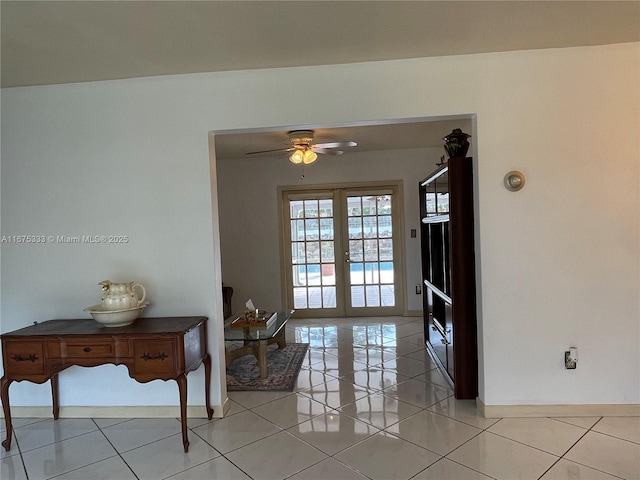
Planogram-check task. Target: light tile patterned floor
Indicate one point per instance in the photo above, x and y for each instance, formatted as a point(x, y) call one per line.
point(369, 404)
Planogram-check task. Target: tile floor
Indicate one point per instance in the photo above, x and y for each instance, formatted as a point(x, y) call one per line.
point(369, 404)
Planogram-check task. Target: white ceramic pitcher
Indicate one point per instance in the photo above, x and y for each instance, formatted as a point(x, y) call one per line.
point(121, 296)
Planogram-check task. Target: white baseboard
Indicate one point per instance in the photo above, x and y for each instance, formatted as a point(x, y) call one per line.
point(413, 313)
point(225, 407)
point(156, 411)
point(590, 410)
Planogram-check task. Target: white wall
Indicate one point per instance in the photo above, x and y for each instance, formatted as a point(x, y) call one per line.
point(252, 246)
point(560, 260)
point(90, 160)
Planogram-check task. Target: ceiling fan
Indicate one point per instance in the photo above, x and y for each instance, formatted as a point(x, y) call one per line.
point(304, 150)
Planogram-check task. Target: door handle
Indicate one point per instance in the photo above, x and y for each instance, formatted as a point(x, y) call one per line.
point(346, 257)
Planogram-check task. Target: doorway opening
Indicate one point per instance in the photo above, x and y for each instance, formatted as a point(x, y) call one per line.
point(249, 201)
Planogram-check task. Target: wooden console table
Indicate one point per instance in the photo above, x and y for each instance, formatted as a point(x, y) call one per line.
point(151, 348)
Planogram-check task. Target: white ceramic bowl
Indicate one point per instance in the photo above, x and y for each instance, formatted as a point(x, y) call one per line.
point(115, 318)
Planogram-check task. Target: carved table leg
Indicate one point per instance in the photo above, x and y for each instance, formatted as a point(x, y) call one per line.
point(262, 358)
point(207, 385)
point(54, 396)
point(182, 387)
point(4, 396)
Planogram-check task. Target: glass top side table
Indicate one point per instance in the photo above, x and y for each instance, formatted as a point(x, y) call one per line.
point(255, 339)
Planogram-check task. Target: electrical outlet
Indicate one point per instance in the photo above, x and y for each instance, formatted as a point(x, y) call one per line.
point(418, 289)
point(570, 360)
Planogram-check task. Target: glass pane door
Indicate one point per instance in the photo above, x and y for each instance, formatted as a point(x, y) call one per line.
point(370, 254)
point(312, 246)
point(341, 254)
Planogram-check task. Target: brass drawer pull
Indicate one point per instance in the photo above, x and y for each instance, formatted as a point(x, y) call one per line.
point(30, 358)
point(146, 357)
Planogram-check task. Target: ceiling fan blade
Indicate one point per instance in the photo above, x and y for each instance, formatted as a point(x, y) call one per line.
point(326, 151)
point(335, 145)
point(262, 152)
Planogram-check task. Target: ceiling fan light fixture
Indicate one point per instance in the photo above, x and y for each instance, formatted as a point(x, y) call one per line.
point(297, 157)
point(303, 150)
point(309, 156)
point(303, 155)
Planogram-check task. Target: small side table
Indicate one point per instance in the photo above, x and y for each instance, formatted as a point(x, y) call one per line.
point(256, 339)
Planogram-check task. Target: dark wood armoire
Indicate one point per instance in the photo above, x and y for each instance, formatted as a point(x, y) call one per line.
point(448, 272)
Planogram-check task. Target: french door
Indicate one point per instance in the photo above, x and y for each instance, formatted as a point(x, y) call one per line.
point(342, 250)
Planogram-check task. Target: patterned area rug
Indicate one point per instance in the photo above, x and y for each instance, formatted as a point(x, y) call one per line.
point(283, 366)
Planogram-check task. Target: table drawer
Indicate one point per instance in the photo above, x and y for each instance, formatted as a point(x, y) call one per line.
point(154, 356)
point(88, 348)
point(24, 357)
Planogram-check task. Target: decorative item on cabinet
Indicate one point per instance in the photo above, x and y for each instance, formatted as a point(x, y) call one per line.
point(120, 304)
point(120, 296)
point(456, 144)
point(448, 269)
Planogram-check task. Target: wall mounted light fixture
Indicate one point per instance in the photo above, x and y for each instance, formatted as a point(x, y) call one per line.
point(514, 181)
